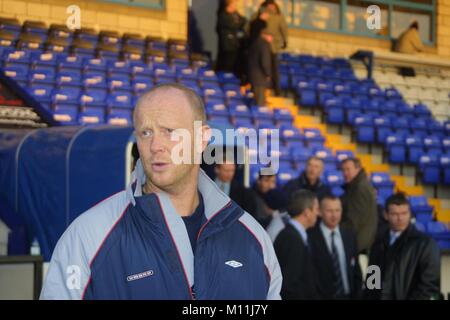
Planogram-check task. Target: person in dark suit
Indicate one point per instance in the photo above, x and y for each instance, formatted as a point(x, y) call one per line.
point(259, 60)
point(293, 249)
point(230, 31)
point(309, 179)
point(409, 260)
point(243, 196)
point(335, 254)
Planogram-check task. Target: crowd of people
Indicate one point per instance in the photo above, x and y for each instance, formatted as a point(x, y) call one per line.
point(318, 237)
point(250, 48)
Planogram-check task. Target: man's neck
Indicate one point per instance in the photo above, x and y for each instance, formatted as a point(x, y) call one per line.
point(302, 222)
point(184, 199)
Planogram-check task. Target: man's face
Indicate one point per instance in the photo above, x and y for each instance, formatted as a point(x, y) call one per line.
point(331, 212)
point(398, 217)
point(157, 119)
point(225, 172)
point(349, 171)
point(314, 170)
point(312, 214)
point(266, 183)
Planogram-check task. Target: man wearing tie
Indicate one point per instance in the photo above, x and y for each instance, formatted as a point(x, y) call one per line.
point(293, 249)
point(409, 260)
point(335, 254)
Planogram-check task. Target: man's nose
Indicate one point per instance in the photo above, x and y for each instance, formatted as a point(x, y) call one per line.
point(156, 143)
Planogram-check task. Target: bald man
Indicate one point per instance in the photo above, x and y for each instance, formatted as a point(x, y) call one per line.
point(172, 234)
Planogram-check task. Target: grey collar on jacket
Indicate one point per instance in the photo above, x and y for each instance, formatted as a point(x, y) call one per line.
point(214, 199)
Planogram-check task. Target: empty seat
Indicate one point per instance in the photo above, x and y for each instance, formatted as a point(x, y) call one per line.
point(120, 99)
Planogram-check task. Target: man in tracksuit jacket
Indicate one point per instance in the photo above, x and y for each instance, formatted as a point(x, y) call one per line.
point(137, 245)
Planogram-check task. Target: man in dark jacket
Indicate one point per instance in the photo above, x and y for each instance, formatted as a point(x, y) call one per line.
point(408, 259)
point(293, 248)
point(309, 179)
point(230, 30)
point(259, 60)
point(335, 254)
point(359, 204)
point(243, 196)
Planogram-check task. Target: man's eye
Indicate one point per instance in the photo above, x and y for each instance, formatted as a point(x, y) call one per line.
point(146, 133)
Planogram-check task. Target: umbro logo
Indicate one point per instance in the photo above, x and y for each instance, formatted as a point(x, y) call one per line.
point(234, 264)
point(139, 276)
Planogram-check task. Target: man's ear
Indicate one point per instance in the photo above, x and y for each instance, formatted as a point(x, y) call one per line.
point(206, 136)
point(385, 215)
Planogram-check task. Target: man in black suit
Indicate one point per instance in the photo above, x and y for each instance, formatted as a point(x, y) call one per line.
point(335, 254)
point(293, 249)
point(409, 260)
point(243, 196)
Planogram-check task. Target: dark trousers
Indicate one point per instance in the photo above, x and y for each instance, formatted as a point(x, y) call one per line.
point(226, 61)
point(258, 93)
point(275, 75)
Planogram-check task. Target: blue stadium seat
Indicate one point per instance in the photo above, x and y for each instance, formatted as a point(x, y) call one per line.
point(290, 133)
point(301, 155)
point(313, 137)
point(42, 75)
point(341, 155)
point(186, 74)
point(121, 117)
point(91, 116)
point(446, 144)
point(140, 84)
point(119, 67)
point(420, 226)
point(139, 68)
point(66, 95)
point(283, 117)
point(335, 111)
point(307, 97)
point(415, 148)
point(435, 128)
point(396, 147)
point(228, 77)
point(418, 126)
point(334, 178)
point(41, 92)
point(211, 91)
point(382, 127)
point(119, 82)
point(433, 143)
point(94, 64)
point(69, 77)
point(436, 227)
point(421, 110)
point(430, 168)
point(93, 97)
point(285, 175)
point(445, 166)
point(327, 157)
point(66, 114)
point(47, 59)
point(94, 79)
point(69, 62)
point(420, 208)
point(240, 111)
point(18, 72)
point(121, 99)
point(217, 112)
point(365, 131)
point(208, 76)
